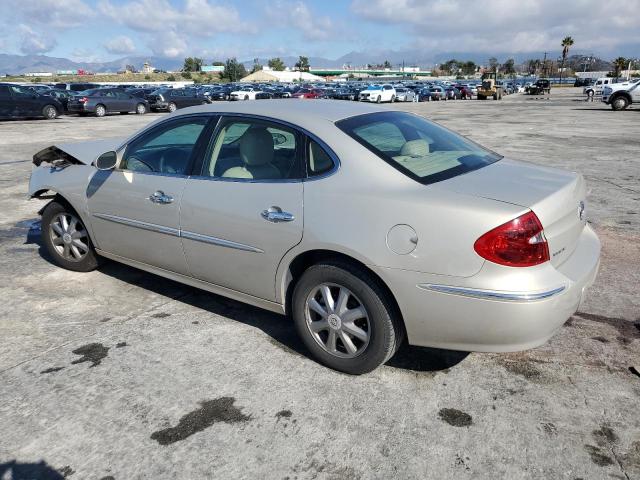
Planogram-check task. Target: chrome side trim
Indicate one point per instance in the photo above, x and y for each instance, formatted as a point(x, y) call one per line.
point(198, 237)
point(138, 224)
point(152, 227)
point(493, 294)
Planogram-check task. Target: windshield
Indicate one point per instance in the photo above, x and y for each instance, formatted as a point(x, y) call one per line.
point(374, 87)
point(417, 147)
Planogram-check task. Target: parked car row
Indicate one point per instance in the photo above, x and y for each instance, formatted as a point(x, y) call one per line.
point(51, 100)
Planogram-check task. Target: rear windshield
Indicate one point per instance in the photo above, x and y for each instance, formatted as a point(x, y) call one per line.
point(417, 147)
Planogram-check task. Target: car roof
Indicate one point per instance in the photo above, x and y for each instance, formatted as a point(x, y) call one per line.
point(298, 112)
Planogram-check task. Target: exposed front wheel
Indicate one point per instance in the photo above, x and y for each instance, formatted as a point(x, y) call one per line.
point(172, 107)
point(101, 111)
point(344, 318)
point(49, 112)
point(66, 238)
point(141, 109)
point(379, 99)
point(619, 103)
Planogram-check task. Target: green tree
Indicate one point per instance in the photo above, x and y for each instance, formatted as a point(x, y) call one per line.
point(619, 64)
point(302, 64)
point(508, 67)
point(468, 68)
point(493, 64)
point(186, 75)
point(192, 64)
point(217, 64)
point(276, 64)
point(234, 70)
point(171, 78)
point(533, 65)
point(566, 44)
point(386, 64)
point(256, 66)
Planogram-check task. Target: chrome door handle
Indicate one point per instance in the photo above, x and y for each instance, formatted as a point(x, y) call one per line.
point(160, 197)
point(276, 215)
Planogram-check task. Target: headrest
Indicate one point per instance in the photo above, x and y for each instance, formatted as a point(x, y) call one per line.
point(415, 148)
point(256, 147)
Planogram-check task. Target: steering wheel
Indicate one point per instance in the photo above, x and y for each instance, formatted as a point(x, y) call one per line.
point(168, 160)
point(141, 162)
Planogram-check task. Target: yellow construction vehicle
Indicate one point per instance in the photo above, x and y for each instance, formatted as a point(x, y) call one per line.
point(490, 87)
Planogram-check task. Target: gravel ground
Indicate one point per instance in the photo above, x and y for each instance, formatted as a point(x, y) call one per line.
point(120, 374)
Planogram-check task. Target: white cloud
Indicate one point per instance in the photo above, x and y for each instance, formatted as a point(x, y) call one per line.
point(120, 45)
point(32, 42)
point(169, 44)
point(197, 17)
point(507, 25)
point(298, 15)
point(53, 13)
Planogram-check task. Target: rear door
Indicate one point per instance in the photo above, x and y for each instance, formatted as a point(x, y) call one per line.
point(244, 211)
point(135, 208)
point(6, 101)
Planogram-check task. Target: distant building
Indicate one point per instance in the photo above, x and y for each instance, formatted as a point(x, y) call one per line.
point(212, 69)
point(38, 74)
point(147, 68)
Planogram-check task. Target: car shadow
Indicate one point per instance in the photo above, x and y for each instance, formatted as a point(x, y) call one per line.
point(278, 328)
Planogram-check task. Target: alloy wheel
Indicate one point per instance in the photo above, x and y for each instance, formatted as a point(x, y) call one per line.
point(337, 320)
point(69, 237)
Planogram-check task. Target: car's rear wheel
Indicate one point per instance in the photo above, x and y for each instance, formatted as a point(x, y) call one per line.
point(141, 109)
point(619, 103)
point(393, 98)
point(49, 112)
point(101, 110)
point(66, 238)
point(172, 107)
point(345, 318)
point(379, 99)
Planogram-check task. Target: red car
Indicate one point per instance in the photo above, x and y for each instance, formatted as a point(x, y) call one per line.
point(307, 93)
point(465, 92)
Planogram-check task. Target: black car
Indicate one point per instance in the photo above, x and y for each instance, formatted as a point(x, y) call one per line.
point(171, 99)
point(17, 101)
point(62, 96)
point(101, 101)
point(541, 87)
point(140, 92)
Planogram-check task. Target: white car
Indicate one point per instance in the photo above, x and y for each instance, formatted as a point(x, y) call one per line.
point(596, 89)
point(378, 94)
point(405, 95)
point(245, 93)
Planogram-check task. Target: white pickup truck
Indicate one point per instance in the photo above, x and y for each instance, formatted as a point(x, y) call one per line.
point(621, 95)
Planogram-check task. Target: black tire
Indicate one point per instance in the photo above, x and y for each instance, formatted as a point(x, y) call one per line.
point(141, 109)
point(481, 97)
point(386, 332)
point(89, 262)
point(379, 99)
point(172, 107)
point(101, 110)
point(619, 103)
point(49, 112)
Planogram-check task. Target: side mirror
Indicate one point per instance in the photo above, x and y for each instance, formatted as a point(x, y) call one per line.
point(107, 161)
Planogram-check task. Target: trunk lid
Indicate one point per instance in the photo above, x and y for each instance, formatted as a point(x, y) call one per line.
point(557, 197)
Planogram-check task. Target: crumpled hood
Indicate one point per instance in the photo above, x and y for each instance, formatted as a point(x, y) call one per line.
point(78, 152)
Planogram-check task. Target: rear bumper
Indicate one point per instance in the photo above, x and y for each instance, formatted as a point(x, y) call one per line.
point(159, 106)
point(490, 312)
point(79, 108)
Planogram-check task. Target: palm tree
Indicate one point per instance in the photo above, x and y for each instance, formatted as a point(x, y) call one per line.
point(619, 64)
point(566, 43)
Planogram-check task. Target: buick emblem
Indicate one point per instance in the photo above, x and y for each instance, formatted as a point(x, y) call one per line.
point(581, 210)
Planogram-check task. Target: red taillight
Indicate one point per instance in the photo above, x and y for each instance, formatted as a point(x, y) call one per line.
point(84, 100)
point(518, 243)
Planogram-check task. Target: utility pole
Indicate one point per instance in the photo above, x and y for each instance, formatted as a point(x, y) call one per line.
point(544, 65)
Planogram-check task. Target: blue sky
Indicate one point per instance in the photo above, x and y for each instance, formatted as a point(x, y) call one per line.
point(100, 30)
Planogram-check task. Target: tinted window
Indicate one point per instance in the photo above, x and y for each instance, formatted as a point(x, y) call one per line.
point(254, 150)
point(421, 149)
point(4, 91)
point(319, 160)
point(166, 149)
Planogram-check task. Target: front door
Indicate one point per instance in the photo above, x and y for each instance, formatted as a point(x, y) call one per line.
point(244, 212)
point(135, 208)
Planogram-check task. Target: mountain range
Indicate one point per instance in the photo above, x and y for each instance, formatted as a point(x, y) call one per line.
point(19, 64)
